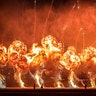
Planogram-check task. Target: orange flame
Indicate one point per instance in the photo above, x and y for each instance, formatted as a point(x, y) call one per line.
point(50, 51)
point(70, 59)
point(3, 55)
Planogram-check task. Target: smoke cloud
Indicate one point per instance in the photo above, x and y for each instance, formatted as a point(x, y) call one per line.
point(71, 22)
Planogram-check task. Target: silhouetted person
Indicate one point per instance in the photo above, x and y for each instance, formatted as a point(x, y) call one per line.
point(42, 86)
point(34, 85)
point(85, 86)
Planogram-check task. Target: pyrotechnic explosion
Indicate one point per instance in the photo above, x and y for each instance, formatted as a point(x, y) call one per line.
point(47, 64)
point(3, 55)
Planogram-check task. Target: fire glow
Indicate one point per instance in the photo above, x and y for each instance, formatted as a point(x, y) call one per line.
point(62, 56)
point(49, 61)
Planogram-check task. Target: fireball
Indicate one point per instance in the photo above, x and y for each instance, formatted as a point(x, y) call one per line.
point(51, 46)
point(22, 65)
point(47, 63)
point(17, 60)
point(49, 41)
point(17, 47)
point(15, 52)
point(87, 54)
point(87, 69)
point(36, 56)
point(70, 59)
point(3, 55)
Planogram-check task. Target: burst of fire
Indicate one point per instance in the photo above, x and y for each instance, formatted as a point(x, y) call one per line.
point(16, 59)
point(70, 59)
point(3, 55)
point(49, 61)
point(51, 46)
point(88, 54)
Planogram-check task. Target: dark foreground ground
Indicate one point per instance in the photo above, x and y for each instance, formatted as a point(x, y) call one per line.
point(47, 92)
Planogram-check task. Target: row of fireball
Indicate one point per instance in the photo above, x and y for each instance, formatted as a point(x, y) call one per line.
point(49, 59)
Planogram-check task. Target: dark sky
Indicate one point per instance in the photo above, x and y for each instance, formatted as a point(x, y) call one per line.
point(30, 3)
point(40, 3)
